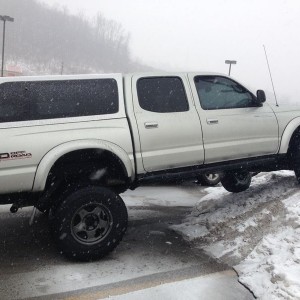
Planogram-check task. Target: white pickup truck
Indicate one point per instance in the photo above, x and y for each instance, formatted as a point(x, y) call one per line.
point(71, 144)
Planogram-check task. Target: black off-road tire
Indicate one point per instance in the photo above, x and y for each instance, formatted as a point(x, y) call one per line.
point(210, 179)
point(236, 182)
point(297, 173)
point(89, 223)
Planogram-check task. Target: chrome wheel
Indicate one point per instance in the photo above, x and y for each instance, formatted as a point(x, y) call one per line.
point(212, 176)
point(209, 179)
point(91, 223)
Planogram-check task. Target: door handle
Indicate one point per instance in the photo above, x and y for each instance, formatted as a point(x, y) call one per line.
point(212, 121)
point(150, 125)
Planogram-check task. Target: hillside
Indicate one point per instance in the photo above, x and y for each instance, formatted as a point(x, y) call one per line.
point(44, 40)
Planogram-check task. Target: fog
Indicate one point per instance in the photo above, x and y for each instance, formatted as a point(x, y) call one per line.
point(200, 35)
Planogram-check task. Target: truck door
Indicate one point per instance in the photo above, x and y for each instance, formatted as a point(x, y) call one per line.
point(168, 123)
point(234, 126)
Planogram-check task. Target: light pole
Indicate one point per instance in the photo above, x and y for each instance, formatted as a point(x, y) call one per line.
point(4, 19)
point(230, 62)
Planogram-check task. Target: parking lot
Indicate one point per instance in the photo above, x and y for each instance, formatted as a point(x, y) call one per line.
point(150, 255)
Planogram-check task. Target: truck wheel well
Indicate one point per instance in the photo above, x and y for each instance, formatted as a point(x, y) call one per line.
point(84, 167)
point(293, 143)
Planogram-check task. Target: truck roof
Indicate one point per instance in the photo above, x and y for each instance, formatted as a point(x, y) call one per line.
point(103, 75)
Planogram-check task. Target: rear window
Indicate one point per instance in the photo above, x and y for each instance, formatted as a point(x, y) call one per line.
point(38, 100)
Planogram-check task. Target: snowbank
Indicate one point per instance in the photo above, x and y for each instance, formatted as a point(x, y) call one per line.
point(257, 232)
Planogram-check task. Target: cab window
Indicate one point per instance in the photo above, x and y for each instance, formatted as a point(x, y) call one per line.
point(162, 94)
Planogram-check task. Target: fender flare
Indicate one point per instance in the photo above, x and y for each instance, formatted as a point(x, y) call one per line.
point(287, 135)
point(54, 154)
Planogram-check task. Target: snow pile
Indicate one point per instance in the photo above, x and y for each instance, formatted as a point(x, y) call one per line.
point(273, 267)
point(257, 232)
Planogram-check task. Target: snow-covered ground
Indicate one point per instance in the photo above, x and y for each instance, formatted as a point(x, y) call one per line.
point(256, 231)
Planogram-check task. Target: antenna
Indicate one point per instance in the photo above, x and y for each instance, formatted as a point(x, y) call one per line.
point(270, 75)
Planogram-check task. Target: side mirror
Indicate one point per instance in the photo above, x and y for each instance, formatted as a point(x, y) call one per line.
point(260, 97)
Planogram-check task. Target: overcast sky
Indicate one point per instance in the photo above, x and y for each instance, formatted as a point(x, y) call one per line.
point(199, 35)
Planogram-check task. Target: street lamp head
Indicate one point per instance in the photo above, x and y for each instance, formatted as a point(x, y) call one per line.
point(230, 62)
point(6, 18)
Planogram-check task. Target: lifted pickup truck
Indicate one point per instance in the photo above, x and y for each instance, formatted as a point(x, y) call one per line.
point(71, 144)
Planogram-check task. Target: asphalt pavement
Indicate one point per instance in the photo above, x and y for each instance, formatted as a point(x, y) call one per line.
point(151, 256)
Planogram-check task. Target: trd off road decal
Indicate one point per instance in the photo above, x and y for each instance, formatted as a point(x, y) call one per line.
point(15, 155)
